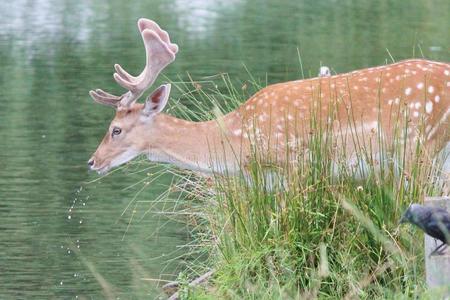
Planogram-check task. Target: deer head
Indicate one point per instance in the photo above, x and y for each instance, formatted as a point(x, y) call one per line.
point(121, 142)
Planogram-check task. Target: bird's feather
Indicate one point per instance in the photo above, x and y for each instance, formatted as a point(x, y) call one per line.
point(435, 222)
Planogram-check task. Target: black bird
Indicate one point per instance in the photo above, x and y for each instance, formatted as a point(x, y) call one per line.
point(435, 221)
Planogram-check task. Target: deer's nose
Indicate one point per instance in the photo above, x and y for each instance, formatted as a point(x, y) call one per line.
point(91, 162)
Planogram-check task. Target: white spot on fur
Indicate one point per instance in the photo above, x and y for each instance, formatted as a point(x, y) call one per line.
point(408, 91)
point(431, 89)
point(437, 98)
point(429, 107)
point(420, 85)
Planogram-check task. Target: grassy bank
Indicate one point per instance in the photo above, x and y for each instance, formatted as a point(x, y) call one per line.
point(312, 234)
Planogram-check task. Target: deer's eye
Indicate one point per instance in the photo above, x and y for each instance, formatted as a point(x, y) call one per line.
point(116, 131)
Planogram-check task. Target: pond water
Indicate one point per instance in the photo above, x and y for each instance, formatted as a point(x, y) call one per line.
point(65, 233)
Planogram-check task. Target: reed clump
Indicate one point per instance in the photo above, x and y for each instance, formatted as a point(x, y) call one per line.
point(320, 228)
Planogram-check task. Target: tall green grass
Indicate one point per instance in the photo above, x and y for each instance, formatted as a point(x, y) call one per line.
point(306, 232)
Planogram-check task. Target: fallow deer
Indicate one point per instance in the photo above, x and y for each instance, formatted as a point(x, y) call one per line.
point(363, 103)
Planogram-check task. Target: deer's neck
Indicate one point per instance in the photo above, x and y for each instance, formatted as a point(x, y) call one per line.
point(199, 146)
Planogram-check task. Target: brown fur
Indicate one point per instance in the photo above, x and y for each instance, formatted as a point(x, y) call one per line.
point(277, 118)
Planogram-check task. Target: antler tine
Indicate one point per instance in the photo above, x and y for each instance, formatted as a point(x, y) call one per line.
point(122, 73)
point(105, 94)
point(159, 53)
point(105, 98)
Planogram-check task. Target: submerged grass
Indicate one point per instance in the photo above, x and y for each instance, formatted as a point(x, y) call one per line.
point(313, 233)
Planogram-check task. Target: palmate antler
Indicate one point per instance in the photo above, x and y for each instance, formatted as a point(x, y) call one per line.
point(159, 53)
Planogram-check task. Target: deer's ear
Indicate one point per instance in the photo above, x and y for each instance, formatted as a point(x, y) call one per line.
point(156, 102)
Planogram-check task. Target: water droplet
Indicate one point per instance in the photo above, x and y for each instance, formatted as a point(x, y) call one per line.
point(69, 217)
point(81, 221)
point(61, 283)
